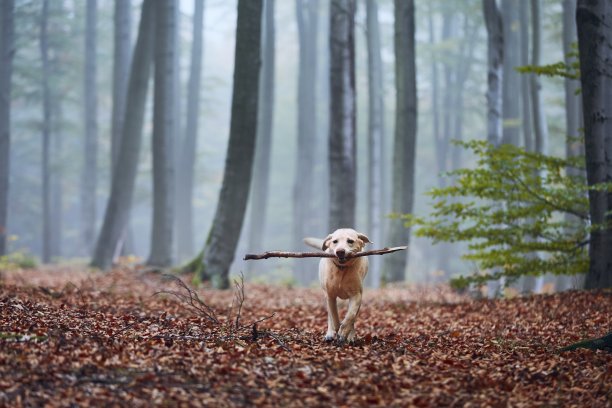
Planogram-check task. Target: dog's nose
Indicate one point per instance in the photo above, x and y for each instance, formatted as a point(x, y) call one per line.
point(340, 253)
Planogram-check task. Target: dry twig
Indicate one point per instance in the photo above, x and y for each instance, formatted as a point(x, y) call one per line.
point(285, 254)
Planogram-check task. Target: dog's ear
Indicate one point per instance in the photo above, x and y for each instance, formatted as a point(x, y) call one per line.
point(364, 238)
point(326, 242)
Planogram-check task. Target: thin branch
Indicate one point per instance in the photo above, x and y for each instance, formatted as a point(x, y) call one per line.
point(284, 254)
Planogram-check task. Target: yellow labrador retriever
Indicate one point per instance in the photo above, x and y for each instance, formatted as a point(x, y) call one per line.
point(342, 278)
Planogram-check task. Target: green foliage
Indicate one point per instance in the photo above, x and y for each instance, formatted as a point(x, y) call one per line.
point(519, 212)
point(18, 260)
point(558, 69)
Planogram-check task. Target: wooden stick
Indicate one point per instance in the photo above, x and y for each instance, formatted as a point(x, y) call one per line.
point(284, 254)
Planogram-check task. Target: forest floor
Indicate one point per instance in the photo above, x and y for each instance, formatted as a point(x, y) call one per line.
point(70, 337)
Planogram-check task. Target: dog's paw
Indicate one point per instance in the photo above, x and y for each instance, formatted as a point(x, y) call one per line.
point(329, 337)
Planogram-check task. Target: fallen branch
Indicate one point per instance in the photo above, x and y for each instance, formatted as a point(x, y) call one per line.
point(284, 254)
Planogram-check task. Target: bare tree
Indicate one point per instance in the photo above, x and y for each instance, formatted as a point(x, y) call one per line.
point(119, 202)
point(261, 168)
point(186, 165)
point(593, 20)
point(215, 260)
point(405, 136)
point(525, 78)
point(495, 47)
point(539, 117)
point(90, 145)
point(163, 132)
point(511, 81)
point(46, 132)
point(376, 136)
point(303, 211)
point(121, 70)
point(342, 140)
point(7, 51)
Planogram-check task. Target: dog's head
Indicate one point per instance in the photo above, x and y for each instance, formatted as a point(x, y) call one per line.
point(344, 241)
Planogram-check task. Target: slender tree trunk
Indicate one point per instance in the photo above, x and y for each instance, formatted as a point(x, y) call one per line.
point(186, 165)
point(511, 55)
point(90, 145)
point(221, 243)
point(7, 51)
point(525, 78)
point(163, 134)
point(303, 209)
point(261, 169)
point(56, 181)
point(121, 71)
point(405, 136)
point(119, 202)
point(342, 139)
point(376, 133)
point(46, 134)
point(539, 117)
point(593, 20)
point(448, 111)
point(495, 46)
point(573, 147)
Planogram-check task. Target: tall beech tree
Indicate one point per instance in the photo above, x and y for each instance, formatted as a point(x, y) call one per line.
point(511, 82)
point(90, 117)
point(405, 136)
point(164, 116)
point(593, 20)
point(303, 212)
point(46, 132)
point(263, 147)
point(218, 253)
point(495, 53)
point(187, 155)
point(342, 126)
point(376, 137)
point(119, 202)
point(7, 50)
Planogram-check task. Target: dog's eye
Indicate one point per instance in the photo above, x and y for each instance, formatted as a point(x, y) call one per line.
point(335, 241)
point(350, 241)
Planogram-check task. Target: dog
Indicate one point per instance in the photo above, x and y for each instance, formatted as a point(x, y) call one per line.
point(342, 277)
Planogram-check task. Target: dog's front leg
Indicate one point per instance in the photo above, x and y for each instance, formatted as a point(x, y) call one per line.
point(347, 328)
point(333, 321)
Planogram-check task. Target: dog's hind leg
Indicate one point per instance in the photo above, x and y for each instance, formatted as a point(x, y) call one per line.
point(333, 321)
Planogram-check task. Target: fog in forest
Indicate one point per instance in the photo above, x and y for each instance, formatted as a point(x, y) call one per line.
point(451, 81)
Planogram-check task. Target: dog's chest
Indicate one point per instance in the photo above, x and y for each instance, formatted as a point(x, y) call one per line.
point(342, 282)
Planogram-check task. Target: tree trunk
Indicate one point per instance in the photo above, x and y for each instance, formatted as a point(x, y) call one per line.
point(121, 71)
point(186, 165)
point(593, 20)
point(90, 145)
point(405, 136)
point(376, 133)
point(163, 132)
point(342, 139)
point(539, 117)
point(261, 169)
point(495, 46)
point(7, 51)
point(525, 79)
point(220, 246)
point(512, 80)
point(124, 177)
point(303, 209)
point(56, 181)
point(573, 147)
point(46, 134)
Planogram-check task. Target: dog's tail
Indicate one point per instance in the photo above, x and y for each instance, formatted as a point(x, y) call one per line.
point(314, 242)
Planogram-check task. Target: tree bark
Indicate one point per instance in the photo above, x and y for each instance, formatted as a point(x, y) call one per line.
point(376, 134)
point(303, 209)
point(122, 187)
point(220, 246)
point(539, 117)
point(405, 136)
point(495, 57)
point(342, 138)
point(593, 20)
point(90, 145)
point(163, 134)
point(56, 180)
point(186, 165)
point(46, 134)
point(261, 169)
point(525, 79)
point(7, 51)
point(121, 71)
point(512, 80)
